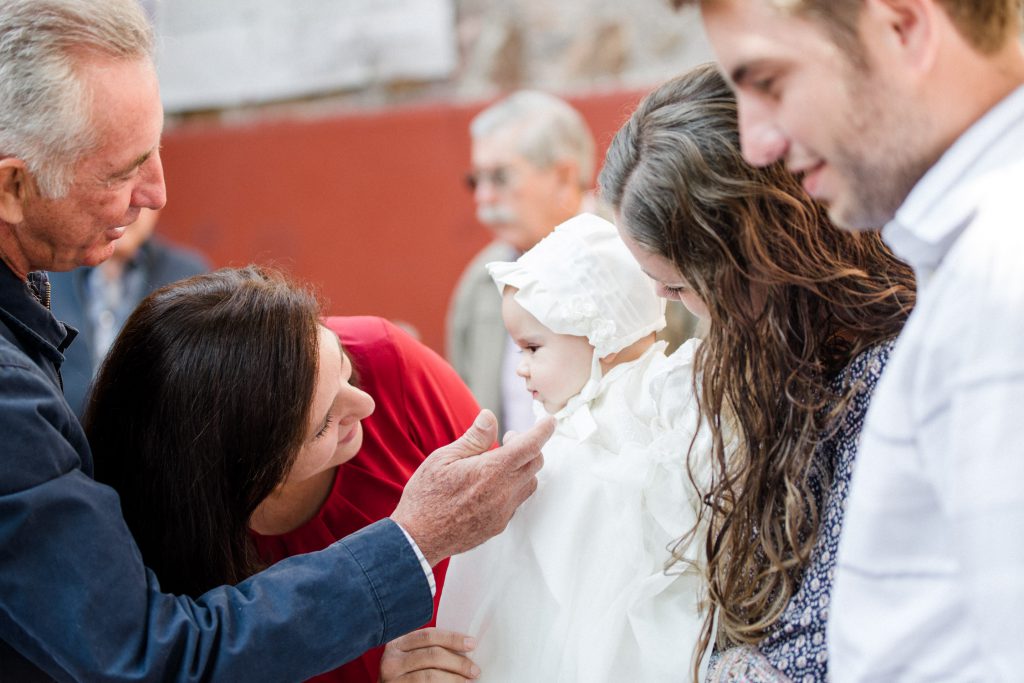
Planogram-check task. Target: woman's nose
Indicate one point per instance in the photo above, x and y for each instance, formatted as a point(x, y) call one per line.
point(359, 405)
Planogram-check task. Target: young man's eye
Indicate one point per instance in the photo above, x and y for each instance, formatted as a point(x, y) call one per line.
point(767, 86)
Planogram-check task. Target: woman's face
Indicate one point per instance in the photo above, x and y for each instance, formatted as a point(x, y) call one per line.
point(670, 282)
point(334, 434)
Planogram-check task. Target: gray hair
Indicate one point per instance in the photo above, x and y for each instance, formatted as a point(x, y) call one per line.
point(44, 105)
point(551, 130)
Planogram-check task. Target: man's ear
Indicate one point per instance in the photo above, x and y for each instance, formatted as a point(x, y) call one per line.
point(13, 190)
point(567, 173)
point(908, 29)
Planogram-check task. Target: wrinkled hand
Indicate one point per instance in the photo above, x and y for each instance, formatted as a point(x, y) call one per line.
point(463, 494)
point(429, 654)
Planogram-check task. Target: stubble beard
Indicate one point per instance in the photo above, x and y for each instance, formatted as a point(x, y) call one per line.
point(883, 159)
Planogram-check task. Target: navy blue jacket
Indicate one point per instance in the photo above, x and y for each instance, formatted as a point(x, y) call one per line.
point(76, 602)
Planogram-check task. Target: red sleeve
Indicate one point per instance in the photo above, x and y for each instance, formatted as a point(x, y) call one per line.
point(438, 403)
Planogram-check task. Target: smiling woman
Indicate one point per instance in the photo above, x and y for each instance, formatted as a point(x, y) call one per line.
point(239, 428)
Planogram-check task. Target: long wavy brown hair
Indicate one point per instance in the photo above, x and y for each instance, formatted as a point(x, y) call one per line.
point(792, 300)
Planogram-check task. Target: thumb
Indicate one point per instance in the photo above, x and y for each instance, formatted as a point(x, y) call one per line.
point(477, 439)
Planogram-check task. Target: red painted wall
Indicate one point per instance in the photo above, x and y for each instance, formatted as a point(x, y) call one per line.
point(370, 207)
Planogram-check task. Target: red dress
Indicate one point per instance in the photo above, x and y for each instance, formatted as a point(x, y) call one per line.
point(421, 405)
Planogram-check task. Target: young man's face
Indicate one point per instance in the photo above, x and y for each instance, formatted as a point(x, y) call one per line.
point(847, 129)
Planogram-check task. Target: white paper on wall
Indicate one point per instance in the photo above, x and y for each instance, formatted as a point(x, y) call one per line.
point(221, 53)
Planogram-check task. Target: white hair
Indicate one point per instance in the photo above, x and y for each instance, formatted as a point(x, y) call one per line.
point(44, 105)
point(551, 130)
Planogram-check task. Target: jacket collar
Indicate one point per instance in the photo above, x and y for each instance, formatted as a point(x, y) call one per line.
point(22, 309)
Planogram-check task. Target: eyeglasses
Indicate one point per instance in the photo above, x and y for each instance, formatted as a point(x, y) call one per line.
point(499, 178)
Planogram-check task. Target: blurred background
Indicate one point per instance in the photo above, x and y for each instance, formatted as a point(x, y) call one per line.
point(330, 137)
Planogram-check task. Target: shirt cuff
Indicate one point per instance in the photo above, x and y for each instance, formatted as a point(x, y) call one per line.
point(427, 570)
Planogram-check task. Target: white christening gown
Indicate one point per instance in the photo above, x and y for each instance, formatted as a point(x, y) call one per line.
point(575, 589)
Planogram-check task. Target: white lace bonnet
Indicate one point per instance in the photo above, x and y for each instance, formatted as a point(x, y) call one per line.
point(581, 280)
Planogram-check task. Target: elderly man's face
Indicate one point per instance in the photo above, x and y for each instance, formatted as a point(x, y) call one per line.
point(518, 201)
point(843, 128)
point(113, 183)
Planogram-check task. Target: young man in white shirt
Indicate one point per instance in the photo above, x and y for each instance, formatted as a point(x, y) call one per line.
point(910, 114)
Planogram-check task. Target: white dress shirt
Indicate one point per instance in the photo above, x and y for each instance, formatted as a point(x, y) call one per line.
point(930, 577)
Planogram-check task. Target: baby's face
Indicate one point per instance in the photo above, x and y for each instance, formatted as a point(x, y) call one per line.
point(555, 366)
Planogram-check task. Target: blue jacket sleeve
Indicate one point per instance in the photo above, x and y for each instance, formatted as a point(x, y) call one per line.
point(77, 602)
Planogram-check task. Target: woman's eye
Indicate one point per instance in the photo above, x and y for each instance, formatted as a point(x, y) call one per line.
point(327, 425)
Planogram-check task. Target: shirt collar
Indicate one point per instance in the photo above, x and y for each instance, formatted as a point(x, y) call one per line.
point(943, 202)
point(576, 411)
point(21, 303)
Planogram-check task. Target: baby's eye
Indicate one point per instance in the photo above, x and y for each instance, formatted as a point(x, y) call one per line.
point(529, 348)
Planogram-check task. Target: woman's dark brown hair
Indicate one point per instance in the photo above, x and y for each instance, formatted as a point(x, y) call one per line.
point(792, 300)
point(198, 413)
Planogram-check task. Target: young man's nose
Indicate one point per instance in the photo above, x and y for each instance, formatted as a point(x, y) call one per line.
point(761, 140)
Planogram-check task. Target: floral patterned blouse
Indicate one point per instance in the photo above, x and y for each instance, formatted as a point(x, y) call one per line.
point(795, 650)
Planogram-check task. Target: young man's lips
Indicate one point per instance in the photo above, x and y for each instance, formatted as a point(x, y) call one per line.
point(810, 178)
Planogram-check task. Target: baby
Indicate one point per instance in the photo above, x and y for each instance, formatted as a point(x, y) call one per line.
point(575, 589)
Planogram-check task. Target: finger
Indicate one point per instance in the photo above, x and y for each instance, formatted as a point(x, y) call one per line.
point(525, 491)
point(427, 637)
point(439, 659)
point(431, 676)
point(509, 436)
point(525, 446)
point(477, 439)
point(535, 465)
point(400, 675)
